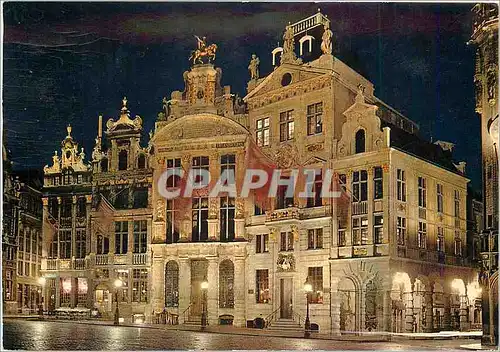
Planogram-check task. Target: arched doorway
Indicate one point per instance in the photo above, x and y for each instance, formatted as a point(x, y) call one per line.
point(348, 305)
point(199, 273)
point(226, 284)
point(401, 288)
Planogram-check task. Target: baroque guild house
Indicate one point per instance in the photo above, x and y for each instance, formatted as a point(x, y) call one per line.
point(388, 256)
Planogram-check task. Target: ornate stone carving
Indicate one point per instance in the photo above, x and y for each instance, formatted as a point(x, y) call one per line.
point(273, 232)
point(213, 208)
point(240, 208)
point(295, 232)
point(160, 209)
point(287, 156)
point(286, 262)
point(315, 147)
point(492, 84)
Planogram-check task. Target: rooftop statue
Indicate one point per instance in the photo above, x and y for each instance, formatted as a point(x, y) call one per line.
point(254, 67)
point(202, 51)
point(326, 44)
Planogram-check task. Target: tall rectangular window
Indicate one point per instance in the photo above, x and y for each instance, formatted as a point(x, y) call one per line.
point(121, 237)
point(401, 230)
point(315, 277)
point(227, 209)
point(422, 192)
point(200, 219)
point(378, 185)
point(199, 163)
point(457, 203)
point(262, 132)
point(440, 239)
point(401, 185)
point(228, 162)
point(140, 285)
point(439, 193)
point(282, 201)
point(458, 245)
point(315, 201)
point(262, 243)
point(314, 119)
point(122, 274)
point(140, 236)
point(422, 235)
point(64, 244)
point(287, 127)
point(286, 241)
point(315, 238)
point(172, 235)
point(360, 186)
point(378, 229)
point(262, 293)
point(342, 241)
point(172, 164)
point(81, 240)
point(359, 231)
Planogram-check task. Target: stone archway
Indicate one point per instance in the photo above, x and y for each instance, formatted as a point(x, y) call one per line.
point(348, 305)
point(400, 293)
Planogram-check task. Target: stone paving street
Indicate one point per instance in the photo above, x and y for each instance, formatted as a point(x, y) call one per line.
point(50, 335)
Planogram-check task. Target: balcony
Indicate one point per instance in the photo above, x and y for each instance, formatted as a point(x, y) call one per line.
point(291, 213)
point(139, 258)
point(101, 259)
point(360, 208)
point(67, 264)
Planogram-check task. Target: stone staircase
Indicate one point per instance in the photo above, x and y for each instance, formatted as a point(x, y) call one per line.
point(285, 325)
point(193, 320)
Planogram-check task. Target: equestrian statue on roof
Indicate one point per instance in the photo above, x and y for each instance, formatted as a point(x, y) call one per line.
point(203, 51)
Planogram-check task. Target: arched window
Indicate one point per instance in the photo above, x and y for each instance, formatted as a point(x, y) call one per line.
point(226, 284)
point(172, 284)
point(360, 141)
point(141, 162)
point(104, 165)
point(122, 160)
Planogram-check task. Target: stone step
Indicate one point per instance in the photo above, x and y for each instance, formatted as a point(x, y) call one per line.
point(285, 324)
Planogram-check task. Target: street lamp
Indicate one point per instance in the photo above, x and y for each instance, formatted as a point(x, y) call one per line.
point(307, 326)
point(204, 288)
point(118, 284)
point(41, 281)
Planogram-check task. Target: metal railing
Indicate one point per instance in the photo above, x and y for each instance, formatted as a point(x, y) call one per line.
point(360, 208)
point(101, 259)
point(186, 313)
point(271, 317)
point(298, 316)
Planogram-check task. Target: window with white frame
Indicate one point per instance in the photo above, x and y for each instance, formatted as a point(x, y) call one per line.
point(422, 235)
point(359, 231)
point(172, 164)
point(378, 186)
point(227, 212)
point(140, 285)
point(314, 119)
point(401, 230)
point(422, 192)
point(172, 232)
point(262, 243)
point(287, 126)
point(378, 229)
point(140, 236)
point(360, 186)
point(439, 194)
point(262, 132)
point(440, 240)
point(315, 238)
point(401, 185)
point(199, 219)
point(315, 278)
point(286, 241)
point(121, 237)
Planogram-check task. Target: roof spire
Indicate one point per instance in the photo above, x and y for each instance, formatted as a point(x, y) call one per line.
point(124, 103)
point(69, 130)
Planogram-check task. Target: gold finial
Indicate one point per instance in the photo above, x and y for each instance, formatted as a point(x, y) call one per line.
point(69, 130)
point(124, 102)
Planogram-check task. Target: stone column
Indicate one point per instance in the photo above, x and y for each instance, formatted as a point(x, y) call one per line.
point(73, 227)
point(213, 219)
point(45, 235)
point(239, 221)
point(447, 312)
point(408, 298)
point(58, 292)
point(335, 306)
point(88, 233)
point(429, 311)
point(158, 284)
point(464, 319)
point(348, 233)
point(213, 292)
point(387, 323)
point(184, 285)
point(239, 291)
point(185, 230)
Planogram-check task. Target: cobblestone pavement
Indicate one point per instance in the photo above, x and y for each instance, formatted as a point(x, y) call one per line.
point(43, 335)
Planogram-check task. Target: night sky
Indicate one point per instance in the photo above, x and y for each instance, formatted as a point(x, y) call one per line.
point(68, 63)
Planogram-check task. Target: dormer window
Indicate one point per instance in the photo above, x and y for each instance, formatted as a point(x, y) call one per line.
point(122, 160)
point(360, 141)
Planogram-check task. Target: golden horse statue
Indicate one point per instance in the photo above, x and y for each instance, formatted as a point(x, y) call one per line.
point(208, 52)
